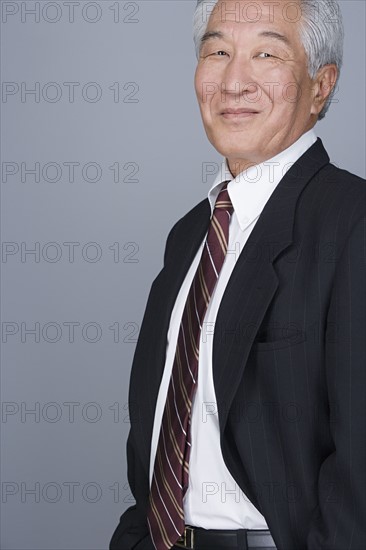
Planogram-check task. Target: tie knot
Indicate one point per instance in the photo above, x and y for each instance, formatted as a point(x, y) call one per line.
point(223, 201)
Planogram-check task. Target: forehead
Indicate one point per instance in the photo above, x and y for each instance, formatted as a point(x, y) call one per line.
point(280, 14)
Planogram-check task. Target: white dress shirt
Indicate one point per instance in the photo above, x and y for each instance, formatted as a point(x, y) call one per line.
point(213, 499)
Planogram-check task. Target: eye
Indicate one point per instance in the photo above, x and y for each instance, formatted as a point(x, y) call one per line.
point(220, 52)
point(264, 55)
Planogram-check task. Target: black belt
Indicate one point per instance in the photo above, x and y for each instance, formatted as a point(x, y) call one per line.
point(196, 538)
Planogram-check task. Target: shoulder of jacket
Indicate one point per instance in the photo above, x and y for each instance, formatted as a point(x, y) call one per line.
point(181, 227)
point(343, 177)
point(191, 217)
point(350, 190)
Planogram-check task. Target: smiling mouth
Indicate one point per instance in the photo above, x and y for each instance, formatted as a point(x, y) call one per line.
point(238, 113)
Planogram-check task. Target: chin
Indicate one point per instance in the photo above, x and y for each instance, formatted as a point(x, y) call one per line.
point(232, 147)
point(235, 152)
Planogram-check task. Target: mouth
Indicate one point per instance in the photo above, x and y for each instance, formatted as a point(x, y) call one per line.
point(232, 114)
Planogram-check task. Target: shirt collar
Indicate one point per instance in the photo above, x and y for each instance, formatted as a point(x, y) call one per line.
point(251, 189)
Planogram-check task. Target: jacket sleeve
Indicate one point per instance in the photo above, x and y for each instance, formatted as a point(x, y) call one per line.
point(339, 521)
point(128, 526)
point(131, 529)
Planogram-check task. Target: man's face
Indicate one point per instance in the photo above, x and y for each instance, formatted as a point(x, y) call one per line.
point(252, 82)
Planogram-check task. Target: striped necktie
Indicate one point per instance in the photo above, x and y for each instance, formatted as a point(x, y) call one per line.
point(171, 467)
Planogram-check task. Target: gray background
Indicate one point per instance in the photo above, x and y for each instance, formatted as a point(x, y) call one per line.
point(63, 469)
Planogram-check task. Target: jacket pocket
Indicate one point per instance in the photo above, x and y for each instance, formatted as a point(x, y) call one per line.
point(288, 338)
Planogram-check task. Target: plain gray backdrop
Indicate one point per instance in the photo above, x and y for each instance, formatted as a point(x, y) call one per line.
point(97, 164)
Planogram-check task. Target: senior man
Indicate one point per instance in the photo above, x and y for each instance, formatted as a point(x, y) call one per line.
point(247, 391)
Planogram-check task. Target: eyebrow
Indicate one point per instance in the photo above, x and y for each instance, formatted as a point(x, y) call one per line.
point(276, 36)
point(209, 35)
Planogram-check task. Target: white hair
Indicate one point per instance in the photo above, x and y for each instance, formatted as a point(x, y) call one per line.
point(321, 31)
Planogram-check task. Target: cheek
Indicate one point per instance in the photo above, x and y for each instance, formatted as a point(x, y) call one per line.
point(199, 86)
point(276, 81)
point(208, 82)
point(200, 78)
point(292, 90)
point(197, 81)
point(206, 94)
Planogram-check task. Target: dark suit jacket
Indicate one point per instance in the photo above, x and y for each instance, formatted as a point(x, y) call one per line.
point(289, 361)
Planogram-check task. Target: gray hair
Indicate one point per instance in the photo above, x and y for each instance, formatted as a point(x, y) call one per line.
point(321, 31)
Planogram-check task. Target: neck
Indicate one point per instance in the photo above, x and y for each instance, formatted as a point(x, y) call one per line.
point(236, 167)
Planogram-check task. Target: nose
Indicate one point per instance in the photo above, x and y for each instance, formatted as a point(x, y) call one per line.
point(239, 81)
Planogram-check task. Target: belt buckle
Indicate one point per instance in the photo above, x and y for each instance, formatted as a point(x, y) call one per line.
point(187, 539)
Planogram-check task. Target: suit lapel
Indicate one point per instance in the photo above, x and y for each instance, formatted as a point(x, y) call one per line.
point(254, 282)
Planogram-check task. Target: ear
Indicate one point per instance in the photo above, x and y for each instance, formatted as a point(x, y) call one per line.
point(324, 83)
